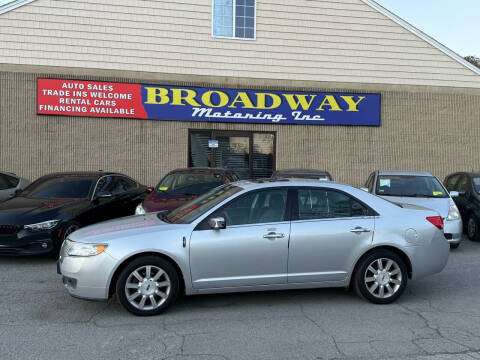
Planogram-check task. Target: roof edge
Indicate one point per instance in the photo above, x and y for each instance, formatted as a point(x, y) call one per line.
point(422, 35)
point(13, 5)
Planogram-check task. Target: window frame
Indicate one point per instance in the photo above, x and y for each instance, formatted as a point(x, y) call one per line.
point(294, 215)
point(233, 37)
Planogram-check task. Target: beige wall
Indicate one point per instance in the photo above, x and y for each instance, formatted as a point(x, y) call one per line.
point(323, 40)
point(423, 128)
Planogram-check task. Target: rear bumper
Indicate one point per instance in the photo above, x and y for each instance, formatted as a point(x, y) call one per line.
point(430, 258)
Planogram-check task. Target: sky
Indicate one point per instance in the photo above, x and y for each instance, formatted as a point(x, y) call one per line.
point(455, 24)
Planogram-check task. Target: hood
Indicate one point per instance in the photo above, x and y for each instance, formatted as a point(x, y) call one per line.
point(440, 205)
point(22, 210)
point(158, 201)
point(136, 225)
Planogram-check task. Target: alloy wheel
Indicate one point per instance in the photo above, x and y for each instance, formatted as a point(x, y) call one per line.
point(147, 287)
point(383, 278)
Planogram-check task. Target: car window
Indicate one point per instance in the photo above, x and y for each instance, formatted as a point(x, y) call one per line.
point(410, 186)
point(369, 183)
point(4, 183)
point(463, 184)
point(185, 183)
point(258, 207)
point(476, 185)
point(105, 185)
point(60, 187)
point(327, 204)
point(451, 181)
point(123, 184)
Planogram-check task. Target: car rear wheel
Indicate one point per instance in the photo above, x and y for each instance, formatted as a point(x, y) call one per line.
point(147, 286)
point(472, 228)
point(381, 277)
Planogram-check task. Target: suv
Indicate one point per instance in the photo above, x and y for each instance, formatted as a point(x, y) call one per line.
point(182, 185)
point(10, 184)
point(419, 188)
point(468, 202)
point(303, 174)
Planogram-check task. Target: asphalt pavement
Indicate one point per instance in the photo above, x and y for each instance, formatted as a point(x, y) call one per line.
point(437, 318)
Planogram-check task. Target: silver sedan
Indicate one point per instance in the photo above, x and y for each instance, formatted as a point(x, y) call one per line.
point(252, 236)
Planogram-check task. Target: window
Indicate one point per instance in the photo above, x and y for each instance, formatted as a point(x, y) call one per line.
point(410, 186)
point(327, 204)
point(7, 182)
point(59, 187)
point(259, 207)
point(451, 181)
point(234, 19)
point(369, 183)
point(463, 185)
point(123, 184)
point(189, 183)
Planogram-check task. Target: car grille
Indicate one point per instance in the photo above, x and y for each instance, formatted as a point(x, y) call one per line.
point(10, 229)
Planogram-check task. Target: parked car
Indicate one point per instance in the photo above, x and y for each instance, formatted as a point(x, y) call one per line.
point(10, 184)
point(302, 174)
point(467, 184)
point(419, 188)
point(182, 185)
point(251, 236)
point(48, 210)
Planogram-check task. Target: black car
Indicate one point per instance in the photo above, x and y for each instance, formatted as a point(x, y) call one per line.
point(302, 174)
point(467, 184)
point(48, 210)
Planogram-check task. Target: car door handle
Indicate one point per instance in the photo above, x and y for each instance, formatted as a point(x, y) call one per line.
point(273, 235)
point(359, 230)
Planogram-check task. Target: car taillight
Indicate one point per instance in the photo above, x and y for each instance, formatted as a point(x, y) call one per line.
point(437, 221)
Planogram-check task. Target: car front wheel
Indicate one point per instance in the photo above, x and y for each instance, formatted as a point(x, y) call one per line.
point(381, 277)
point(147, 286)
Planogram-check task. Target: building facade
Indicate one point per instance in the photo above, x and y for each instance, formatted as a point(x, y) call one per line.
point(428, 109)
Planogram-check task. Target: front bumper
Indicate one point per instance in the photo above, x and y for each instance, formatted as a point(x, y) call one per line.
point(86, 277)
point(453, 230)
point(25, 242)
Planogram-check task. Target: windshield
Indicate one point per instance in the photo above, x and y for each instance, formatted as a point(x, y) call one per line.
point(60, 187)
point(189, 183)
point(410, 186)
point(476, 185)
point(190, 211)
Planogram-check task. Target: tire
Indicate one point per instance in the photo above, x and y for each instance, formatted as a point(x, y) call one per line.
point(156, 295)
point(454, 246)
point(473, 232)
point(369, 287)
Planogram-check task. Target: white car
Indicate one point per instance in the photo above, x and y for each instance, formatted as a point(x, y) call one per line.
point(9, 184)
point(419, 188)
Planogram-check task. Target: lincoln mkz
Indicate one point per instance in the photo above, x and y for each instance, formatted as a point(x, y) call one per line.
point(251, 236)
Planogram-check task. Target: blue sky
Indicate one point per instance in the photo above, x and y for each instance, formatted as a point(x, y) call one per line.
point(456, 24)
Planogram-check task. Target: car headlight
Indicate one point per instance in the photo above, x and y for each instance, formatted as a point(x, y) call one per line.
point(46, 225)
point(453, 213)
point(81, 249)
point(140, 210)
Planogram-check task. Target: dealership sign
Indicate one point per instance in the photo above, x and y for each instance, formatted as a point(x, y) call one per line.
point(159, 102)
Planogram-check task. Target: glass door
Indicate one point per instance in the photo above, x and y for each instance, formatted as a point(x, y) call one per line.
point(250, 154)
point(233, 153)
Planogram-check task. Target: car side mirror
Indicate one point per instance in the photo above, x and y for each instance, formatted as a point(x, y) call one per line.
point(454, 193)
point(217, 223)
point(149, 190)
point(17, 192)
point(104, 195)
point(364, 189)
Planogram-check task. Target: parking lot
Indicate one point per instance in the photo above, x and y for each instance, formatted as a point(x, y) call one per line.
point(437, 317)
